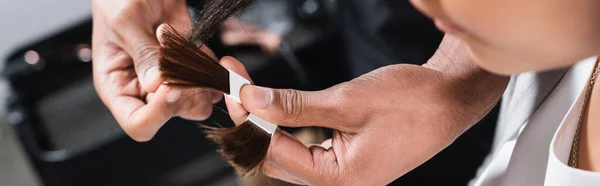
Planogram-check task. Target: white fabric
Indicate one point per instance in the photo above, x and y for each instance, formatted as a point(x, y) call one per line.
point(557, 172)
point(521, 153)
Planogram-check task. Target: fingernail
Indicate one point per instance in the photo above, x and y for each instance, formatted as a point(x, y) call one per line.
point(173, 96)
point(261, 97)
point(150, 75)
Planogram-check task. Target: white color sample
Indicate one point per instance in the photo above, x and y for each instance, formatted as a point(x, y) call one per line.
point(236, 82)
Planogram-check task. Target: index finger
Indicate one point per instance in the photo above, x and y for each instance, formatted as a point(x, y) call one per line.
point(292, 157)
point(236, 111)
point(139, 120)
point(137, 37)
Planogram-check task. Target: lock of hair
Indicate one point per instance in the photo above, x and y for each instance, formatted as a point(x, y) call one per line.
point(244, 146)
point(183, 65)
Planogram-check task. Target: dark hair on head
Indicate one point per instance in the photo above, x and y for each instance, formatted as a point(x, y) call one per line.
point(184, 65)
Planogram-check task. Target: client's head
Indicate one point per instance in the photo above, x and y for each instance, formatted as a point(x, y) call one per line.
point(512, 36)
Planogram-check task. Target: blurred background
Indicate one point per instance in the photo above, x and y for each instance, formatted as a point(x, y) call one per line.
point(55, 131)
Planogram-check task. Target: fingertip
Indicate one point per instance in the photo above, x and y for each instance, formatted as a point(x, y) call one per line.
point(165, 27)
point(327, 144)
point(128, 111)
point(151, 79)
point(144, 123)
point(199, 111)
point(234, 65)
point(149, 97)
point(137, 127)
point(209, 52)
point(228, 59)
point(237, 113)
point(139, 137)
point(230, 63)
point(160, 31)
point(172, 96)
point(216, 97)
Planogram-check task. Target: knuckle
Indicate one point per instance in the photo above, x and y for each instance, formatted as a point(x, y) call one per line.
point(201, 102)
point(324, 167)
point(273, 154)
point(141, 138)
point(216, 98)
point(127, 14)
point(120, 18)
point(266, 170)
point(116, 21)
point(134, 132)
point(291, 103)
point(94, 3)
point(204, 112)
point(347, 102)
point(145, 54)
point(341, 95)
point(135, 5)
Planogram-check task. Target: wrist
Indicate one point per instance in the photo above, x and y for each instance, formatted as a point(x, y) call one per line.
point(470, 92)
point(473, 95)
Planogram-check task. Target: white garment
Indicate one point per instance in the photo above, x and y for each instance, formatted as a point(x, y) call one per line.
point(521, 152)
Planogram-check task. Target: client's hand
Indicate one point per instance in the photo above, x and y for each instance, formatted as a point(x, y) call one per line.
point(125, 60)
point(385, 123)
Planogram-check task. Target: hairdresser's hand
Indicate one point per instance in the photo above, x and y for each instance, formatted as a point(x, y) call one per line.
point(385, 123)
point(126, 76)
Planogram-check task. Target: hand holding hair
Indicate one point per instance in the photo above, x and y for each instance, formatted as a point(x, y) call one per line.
point(182, 65)
point(125, 65)
point(385, 123)
point(127, 77)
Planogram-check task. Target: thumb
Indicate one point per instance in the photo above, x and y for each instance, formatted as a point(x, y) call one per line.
point(294, 108)
point(143, 47)
point(149, 76)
